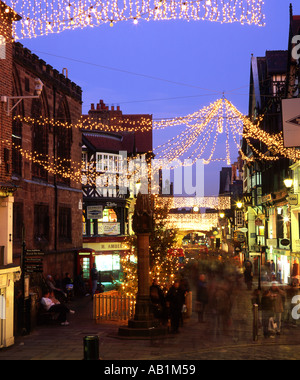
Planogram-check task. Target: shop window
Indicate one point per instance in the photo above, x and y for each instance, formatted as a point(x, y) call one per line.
point(239, 218)
point(108, 263)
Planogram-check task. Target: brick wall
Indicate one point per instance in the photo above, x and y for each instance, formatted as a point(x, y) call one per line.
point(60, 97)
point(5, 89)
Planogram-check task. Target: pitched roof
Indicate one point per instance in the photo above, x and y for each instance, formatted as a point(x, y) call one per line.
point(110, 142)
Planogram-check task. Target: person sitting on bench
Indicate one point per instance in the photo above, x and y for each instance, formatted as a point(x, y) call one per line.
point(59, 308)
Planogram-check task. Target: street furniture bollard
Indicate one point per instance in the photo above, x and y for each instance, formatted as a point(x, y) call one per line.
point(91, 347)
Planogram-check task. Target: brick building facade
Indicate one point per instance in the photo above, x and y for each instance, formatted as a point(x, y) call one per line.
point(47, 208)
point(9, 273)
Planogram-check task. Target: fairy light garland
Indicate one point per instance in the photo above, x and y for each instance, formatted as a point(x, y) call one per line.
point(42, 17)
point(203, 127)
point(203, 222)
point(86, 123)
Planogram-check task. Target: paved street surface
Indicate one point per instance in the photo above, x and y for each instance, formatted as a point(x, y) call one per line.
point(194, 342)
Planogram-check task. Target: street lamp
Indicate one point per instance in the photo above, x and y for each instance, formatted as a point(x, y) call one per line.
point(288, 182)
point(239, 204)
point(8, 99)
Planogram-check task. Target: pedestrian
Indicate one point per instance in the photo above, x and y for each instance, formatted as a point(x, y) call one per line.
point(59, 293)
point(267, 312)
point(67, 286)
point(272, 267)
point(278, 297)
point(202, 298)
point(175, 301)
point(94, 279)
point(79, 285)
point(158, 302)
point(248, 275)
point(52, 305)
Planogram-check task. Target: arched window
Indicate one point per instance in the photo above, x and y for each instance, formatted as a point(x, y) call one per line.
point(63, 141)
point(39, 141)
point(17, 128)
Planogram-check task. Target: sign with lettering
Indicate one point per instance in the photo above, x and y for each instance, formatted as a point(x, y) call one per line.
point(267, 198)
point(94, 212)
point(293, 199)
point(248, 199)
point(109, 229)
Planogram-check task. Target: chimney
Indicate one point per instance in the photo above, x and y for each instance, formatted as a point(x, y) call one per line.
point(98, 107)
point(118, 108)
point(112, 108)
point(92, 107)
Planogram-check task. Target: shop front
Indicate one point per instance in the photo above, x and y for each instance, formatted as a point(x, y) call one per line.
point(107, 256)
point(283, 262)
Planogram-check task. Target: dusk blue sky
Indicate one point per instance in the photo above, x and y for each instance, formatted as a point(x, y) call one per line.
point(207, 57)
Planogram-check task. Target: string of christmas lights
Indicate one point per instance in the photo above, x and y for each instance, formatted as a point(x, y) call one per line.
point(203, 127)
point(86, 123)
point(42, 17)
point(203, 222)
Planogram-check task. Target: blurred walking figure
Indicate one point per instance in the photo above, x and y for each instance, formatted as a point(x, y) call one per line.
point(248, 275)
point(278, 296)
point(267, 311)
point(158, 302)
point(221, 305)
point(175, 301)
point(94, 279)
point(202, 297)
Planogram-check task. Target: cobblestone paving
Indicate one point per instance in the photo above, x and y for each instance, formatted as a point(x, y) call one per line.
point(194, 342)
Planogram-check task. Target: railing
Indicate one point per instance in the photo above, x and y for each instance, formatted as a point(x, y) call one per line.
point(113, 306)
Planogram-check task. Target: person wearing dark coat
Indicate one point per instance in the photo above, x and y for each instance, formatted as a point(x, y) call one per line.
point(175, 301)
point(158, 302)
point(248, 275)
point(202, 297)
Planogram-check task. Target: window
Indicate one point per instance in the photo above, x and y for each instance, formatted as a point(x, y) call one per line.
point(108, 262)
point(239, 218)
point(41, 223)
point(65, 223)
point(27, 84)
point(17, 141)
point(279, 226)
point(64, 143)
point(39, 142)
point(84, 161)
point(112, 163)
point(279, 82)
